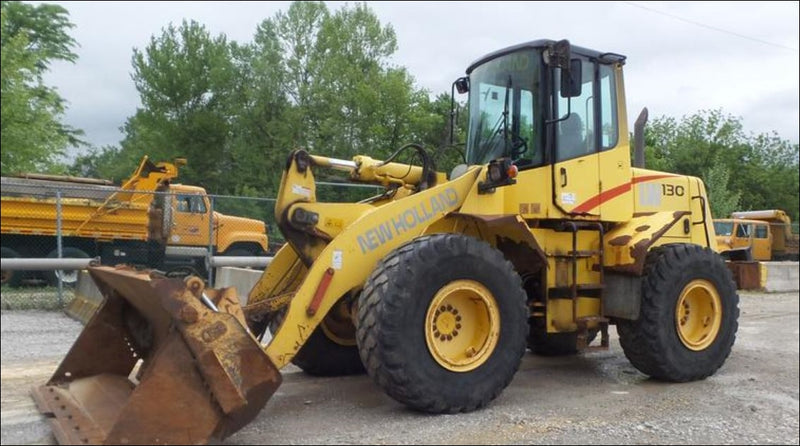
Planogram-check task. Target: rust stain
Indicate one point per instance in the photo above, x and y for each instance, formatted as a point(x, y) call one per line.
point(622, 240)
point(638, 251)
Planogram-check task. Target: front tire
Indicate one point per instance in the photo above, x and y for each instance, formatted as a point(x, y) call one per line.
point(442, 323)
point(688, 318)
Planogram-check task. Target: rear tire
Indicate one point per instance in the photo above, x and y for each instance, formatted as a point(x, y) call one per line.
point(429, 323)
point(688, 318)
point(10, 277)
point(68, 277)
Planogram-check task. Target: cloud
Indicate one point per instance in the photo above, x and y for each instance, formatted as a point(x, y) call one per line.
point(682, 57)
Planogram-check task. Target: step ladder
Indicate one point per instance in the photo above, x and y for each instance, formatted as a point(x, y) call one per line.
point(591, 290)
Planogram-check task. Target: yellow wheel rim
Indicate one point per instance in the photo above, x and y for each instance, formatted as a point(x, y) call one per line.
point(338, 326)
point(462, 325)
point(698, 314)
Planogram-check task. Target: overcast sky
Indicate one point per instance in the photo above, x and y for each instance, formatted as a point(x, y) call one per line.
point(741, 57)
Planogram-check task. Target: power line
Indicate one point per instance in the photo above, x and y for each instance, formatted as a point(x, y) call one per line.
point(703, 25)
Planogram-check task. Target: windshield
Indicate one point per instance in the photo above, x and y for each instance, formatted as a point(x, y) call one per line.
point(723, 227)
point(502, 99)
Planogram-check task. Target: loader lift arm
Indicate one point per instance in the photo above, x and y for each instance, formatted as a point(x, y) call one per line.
point(339, 243)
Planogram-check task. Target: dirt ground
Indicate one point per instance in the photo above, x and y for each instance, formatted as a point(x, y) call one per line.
point(589, 398)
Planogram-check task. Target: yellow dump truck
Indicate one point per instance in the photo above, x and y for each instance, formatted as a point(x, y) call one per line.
point(147, 221)
point(757, 235)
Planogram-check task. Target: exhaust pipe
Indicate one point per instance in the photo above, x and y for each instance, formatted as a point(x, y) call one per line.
point(638, 139)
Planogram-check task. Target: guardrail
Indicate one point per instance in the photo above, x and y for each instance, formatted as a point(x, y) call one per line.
point(237, 261)
point(16, 264)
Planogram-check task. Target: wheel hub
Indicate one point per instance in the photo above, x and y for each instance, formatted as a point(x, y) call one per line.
point(462, 325)
point(698, 315)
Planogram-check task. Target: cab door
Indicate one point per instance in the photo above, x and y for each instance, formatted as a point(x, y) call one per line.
point(190, 224)
point(762, 242)
point(576, 171)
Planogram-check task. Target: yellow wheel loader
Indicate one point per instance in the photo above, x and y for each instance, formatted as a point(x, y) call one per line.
point(544, 237)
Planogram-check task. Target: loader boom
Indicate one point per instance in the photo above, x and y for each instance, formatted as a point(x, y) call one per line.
point(339, 242)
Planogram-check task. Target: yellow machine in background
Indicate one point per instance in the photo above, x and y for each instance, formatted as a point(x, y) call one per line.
point(437, 286)
point(757, 235)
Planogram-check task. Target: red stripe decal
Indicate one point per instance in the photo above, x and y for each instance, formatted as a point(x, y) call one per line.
point(614, 192)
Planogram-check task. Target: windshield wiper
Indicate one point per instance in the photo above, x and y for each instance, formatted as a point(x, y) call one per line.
point(505, 117)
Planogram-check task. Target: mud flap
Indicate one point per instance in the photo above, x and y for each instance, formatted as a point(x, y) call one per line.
point(155, 365)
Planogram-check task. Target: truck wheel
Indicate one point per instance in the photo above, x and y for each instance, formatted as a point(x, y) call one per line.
point(68, 277)
point(9, 277)
point(688, 318)
point(442, 323)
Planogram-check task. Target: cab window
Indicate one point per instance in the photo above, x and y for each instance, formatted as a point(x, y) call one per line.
point(743, 230)
point(575, 133)
point(608, 108)
point(190, 203)
point(761, 231)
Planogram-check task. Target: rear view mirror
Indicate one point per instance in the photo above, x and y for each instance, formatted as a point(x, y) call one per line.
point(462, 85)
point(571, 79)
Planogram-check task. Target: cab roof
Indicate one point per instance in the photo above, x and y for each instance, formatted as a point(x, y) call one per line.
point(602, 57)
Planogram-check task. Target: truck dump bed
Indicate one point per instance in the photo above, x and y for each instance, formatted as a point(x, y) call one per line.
point(87, 210)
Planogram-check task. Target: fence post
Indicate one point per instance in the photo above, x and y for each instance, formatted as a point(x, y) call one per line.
point(210, 272)
point(59, 249)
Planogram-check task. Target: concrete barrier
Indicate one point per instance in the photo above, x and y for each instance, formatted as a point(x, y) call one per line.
point(779, 277)
point(242, 278)
point(87, 299)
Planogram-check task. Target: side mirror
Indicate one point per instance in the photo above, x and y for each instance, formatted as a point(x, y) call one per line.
point(572, 79)
point(462, 85)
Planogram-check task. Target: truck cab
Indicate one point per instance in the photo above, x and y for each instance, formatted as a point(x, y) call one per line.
point(191, 228)
point(739, 239)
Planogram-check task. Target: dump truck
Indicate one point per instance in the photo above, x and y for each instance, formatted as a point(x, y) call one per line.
point(436, 286)
point(147, 221)
point(762, 235)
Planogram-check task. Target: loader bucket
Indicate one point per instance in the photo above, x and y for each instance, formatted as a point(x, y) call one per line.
point(156, 365)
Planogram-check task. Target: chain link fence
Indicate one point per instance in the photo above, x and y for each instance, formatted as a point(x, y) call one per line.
point(174, 231)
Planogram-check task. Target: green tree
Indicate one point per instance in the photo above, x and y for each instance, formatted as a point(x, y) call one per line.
point(186, 81)
point(31, 134)
point(761, 170)
point(311, 78)
point(722, 199)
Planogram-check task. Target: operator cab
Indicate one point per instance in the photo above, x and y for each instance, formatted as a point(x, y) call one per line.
point(547, 104)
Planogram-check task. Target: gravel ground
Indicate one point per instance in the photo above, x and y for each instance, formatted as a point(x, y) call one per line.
point(595, 397)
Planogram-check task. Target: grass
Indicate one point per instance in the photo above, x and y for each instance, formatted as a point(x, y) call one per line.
point(34, 298)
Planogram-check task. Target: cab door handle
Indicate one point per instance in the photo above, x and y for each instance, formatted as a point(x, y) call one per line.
point(563, 177)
